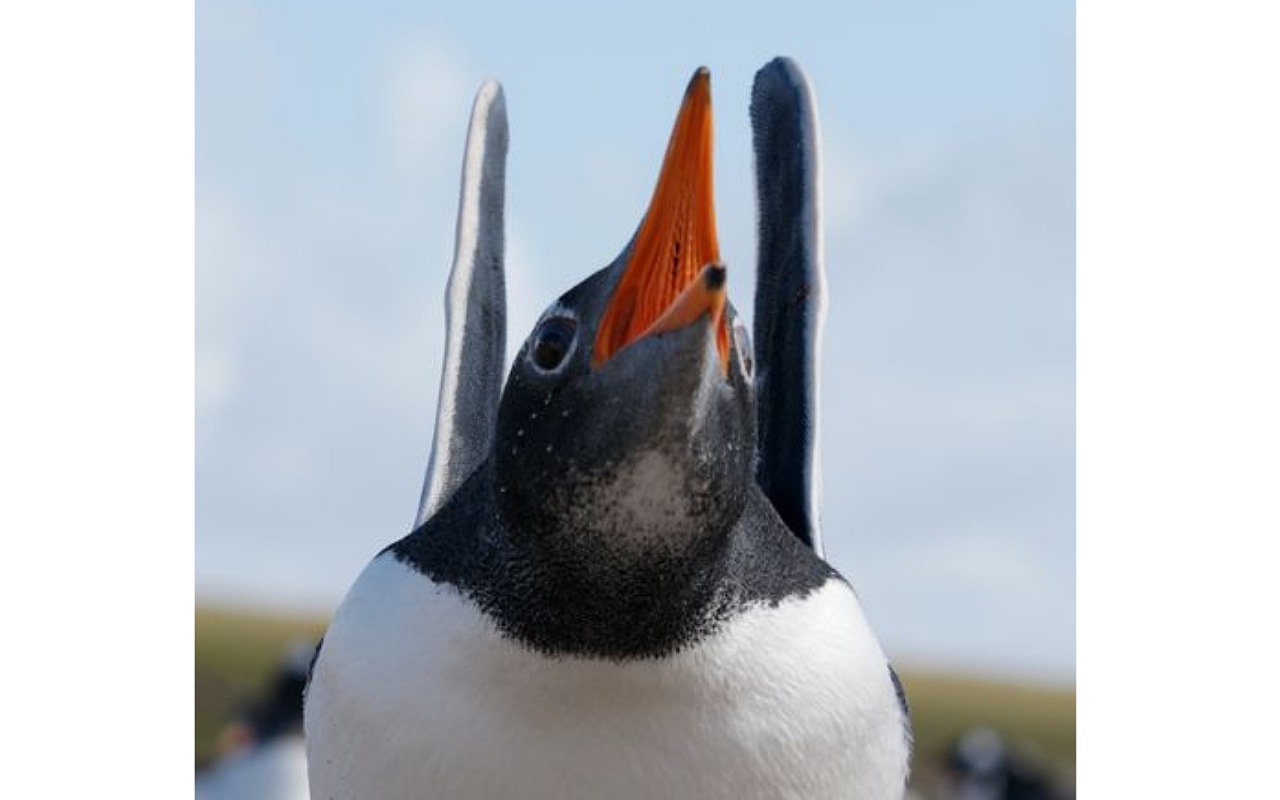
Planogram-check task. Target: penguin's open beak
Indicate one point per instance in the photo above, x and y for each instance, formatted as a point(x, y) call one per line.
point(674, 276)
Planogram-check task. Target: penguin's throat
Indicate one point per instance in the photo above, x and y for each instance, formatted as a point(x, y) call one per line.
point(648, 501)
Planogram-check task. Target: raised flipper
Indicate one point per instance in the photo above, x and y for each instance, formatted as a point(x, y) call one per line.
point(475, 310)
point(790, 294)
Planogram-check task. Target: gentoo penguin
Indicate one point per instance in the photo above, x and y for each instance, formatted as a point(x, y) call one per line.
point(610, 604)
point(980, 765)
point(261, 753)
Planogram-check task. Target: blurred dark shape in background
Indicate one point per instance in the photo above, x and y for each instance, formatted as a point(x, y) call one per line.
point(981, 765)
point(260, 754)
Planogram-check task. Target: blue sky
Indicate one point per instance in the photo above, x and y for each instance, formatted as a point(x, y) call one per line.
point(328, 144)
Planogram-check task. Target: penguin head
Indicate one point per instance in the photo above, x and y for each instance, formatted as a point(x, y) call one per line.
point(628, 413)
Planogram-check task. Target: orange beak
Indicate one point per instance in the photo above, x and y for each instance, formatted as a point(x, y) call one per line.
point(674, 276)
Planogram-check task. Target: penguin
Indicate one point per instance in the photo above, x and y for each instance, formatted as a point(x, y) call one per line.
point(261, 753)
point(620, 599)
point(980, 765)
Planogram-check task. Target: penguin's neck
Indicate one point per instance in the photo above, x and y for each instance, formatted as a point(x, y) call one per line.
point(577, 593)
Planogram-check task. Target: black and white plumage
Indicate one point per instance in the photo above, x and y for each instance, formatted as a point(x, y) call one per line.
point(610, 605)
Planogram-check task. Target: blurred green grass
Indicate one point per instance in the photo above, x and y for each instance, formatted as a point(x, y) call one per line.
point(236, 652)
point(1038, 721)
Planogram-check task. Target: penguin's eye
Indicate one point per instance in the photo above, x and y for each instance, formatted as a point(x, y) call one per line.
point(743, 342)
point(552, 342)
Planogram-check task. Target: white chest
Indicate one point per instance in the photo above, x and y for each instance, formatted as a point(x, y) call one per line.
point(417, 695)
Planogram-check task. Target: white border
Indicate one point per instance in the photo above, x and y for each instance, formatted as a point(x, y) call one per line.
point(1178, 401)
point(97, 421)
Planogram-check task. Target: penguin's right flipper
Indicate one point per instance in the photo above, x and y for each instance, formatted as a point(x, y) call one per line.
point(790, 300)
point(475, 310)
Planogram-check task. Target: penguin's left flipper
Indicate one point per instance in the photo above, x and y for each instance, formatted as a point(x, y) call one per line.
point(475, 310)
point(790, 300)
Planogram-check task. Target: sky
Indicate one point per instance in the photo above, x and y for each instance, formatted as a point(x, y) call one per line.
point(328, 147)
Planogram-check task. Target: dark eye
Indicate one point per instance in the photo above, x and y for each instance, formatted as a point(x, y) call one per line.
point(743, 342)
point(552, 341)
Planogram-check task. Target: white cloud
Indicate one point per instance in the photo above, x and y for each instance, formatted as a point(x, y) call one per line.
point(215, 380)
point(427, 82)
point(845, 179)
point(1001, 565)
point(320, 331)
point(949, 393)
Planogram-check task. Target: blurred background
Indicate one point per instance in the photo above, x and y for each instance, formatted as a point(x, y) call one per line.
point(328, 147)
